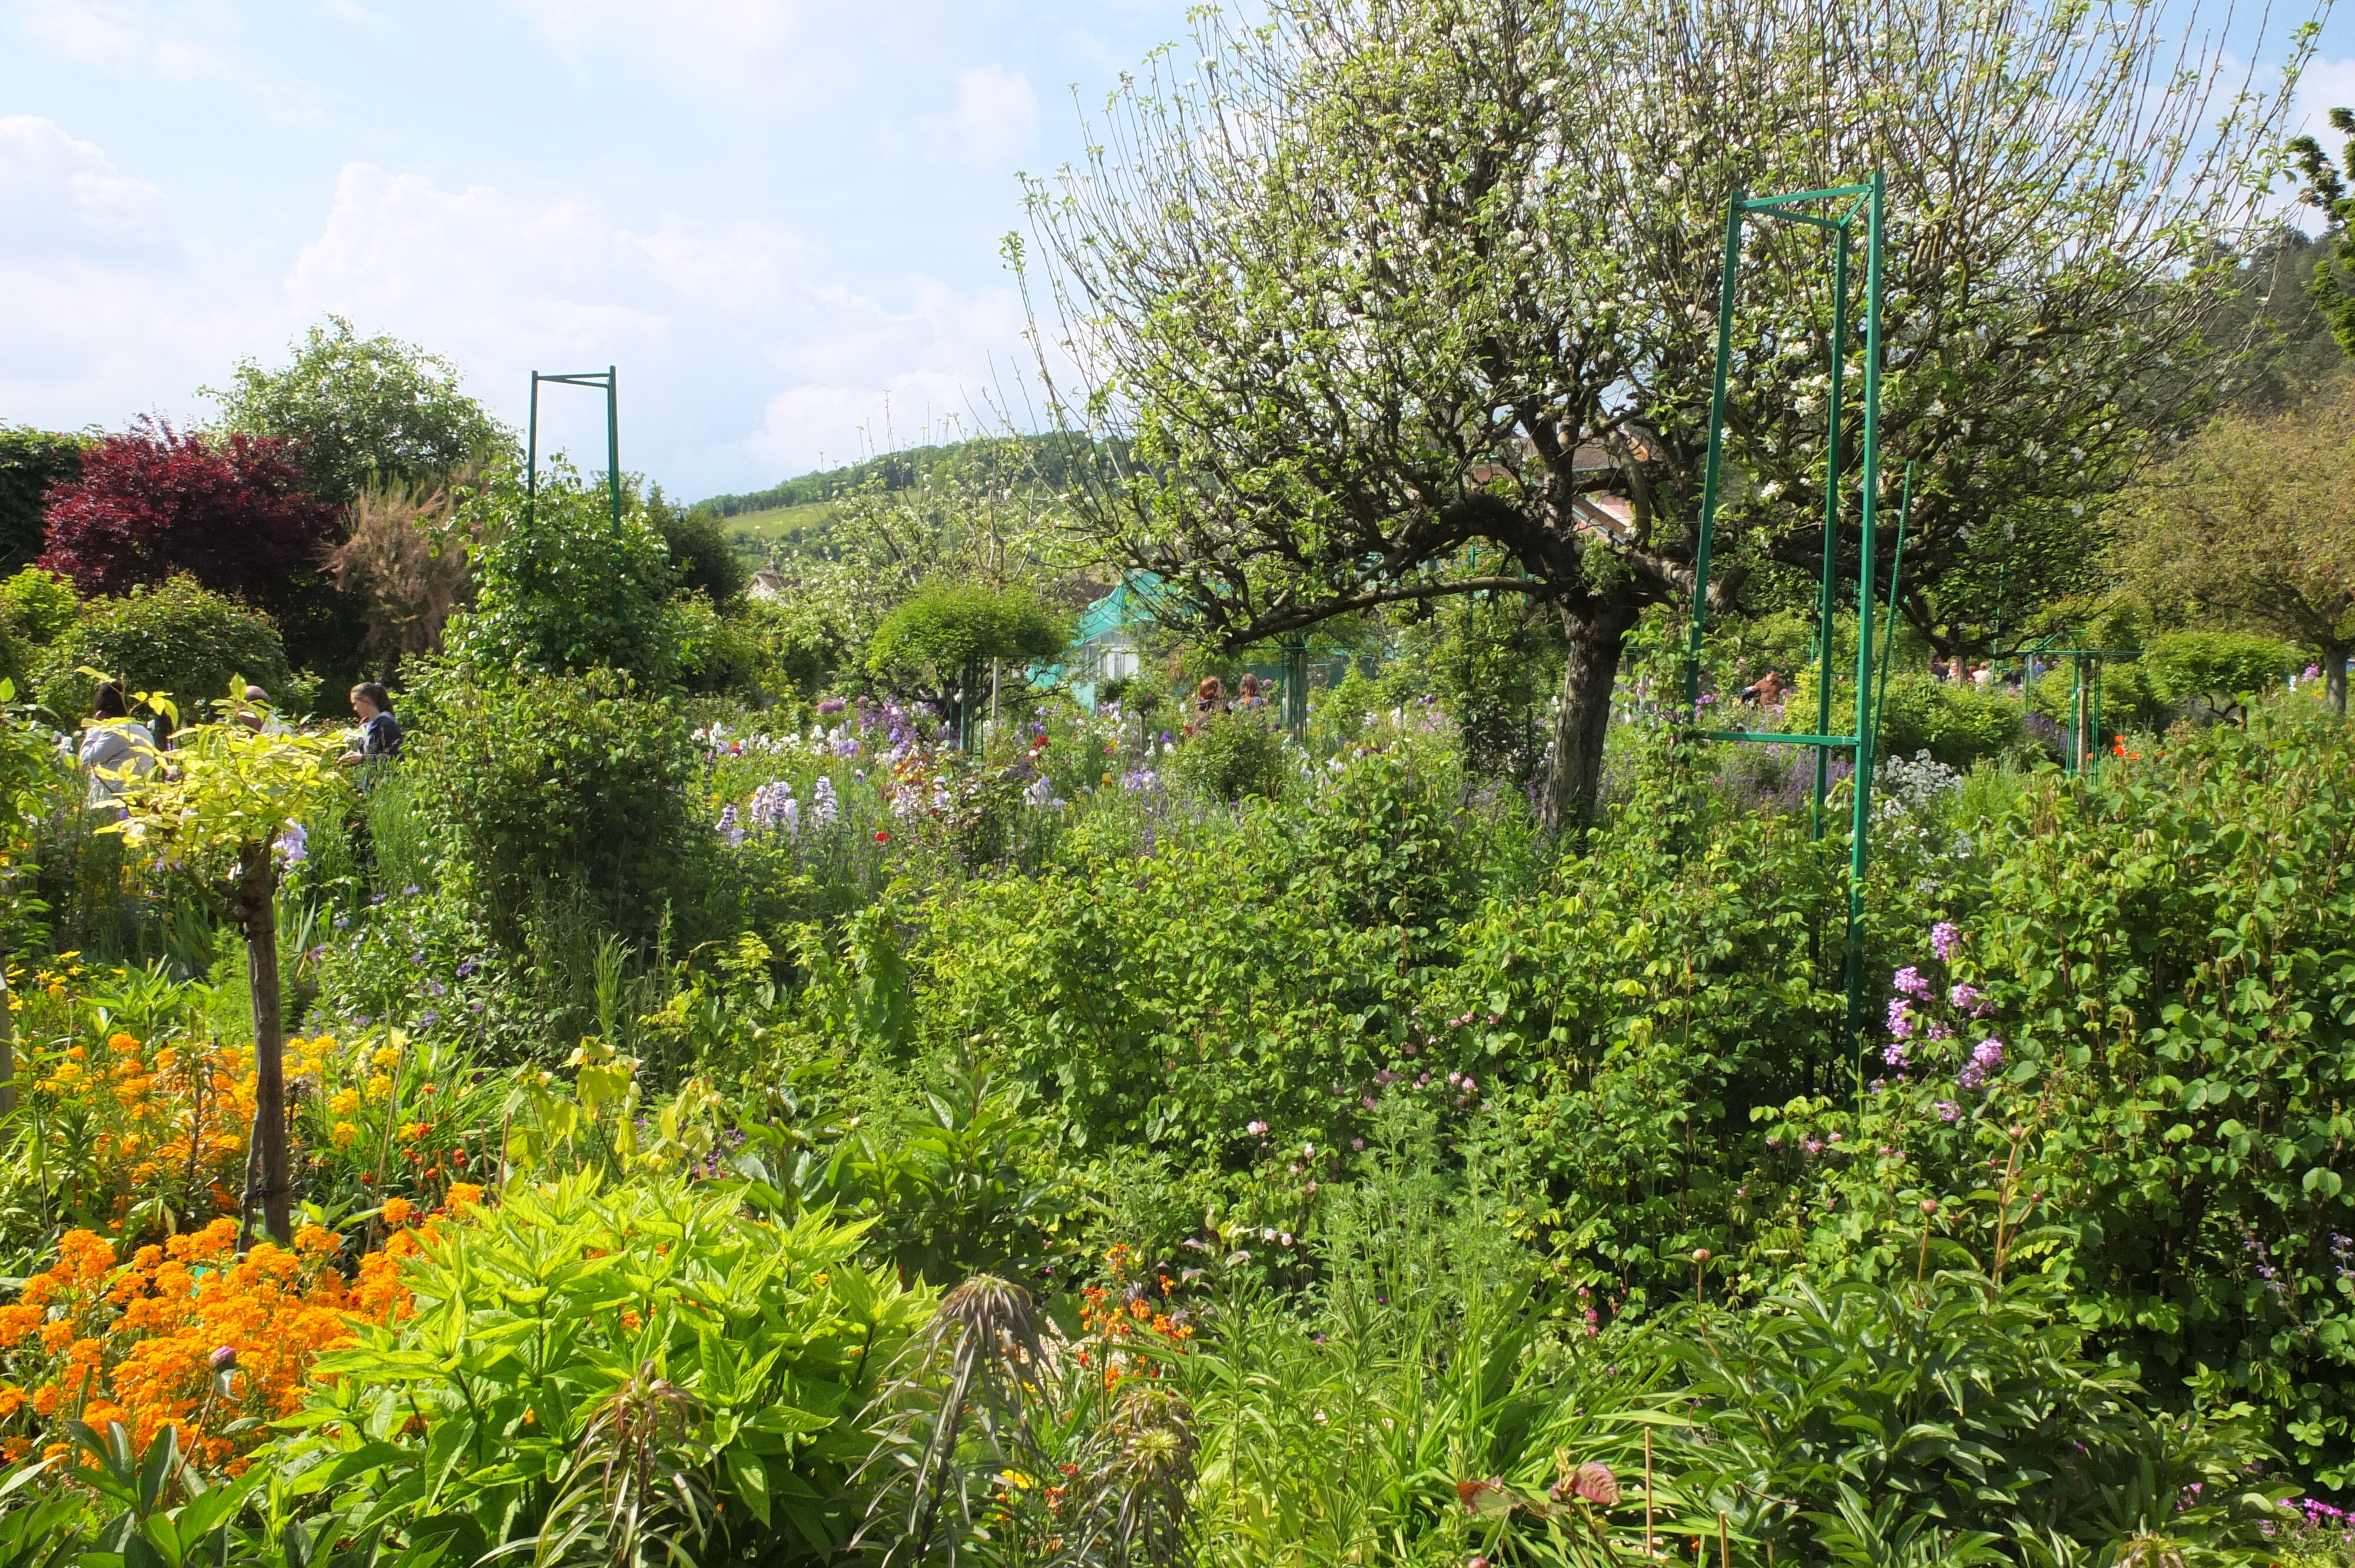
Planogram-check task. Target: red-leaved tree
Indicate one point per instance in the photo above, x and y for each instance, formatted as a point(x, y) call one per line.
point(230, 512)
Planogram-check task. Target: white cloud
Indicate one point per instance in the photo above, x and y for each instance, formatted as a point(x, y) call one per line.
point(170, 40)
point(696, 43)
point(995, 119)
point(2325, 84)
point(706, 326)
point(61, 197)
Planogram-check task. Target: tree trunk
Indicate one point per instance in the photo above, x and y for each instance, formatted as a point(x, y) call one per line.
point(2334, 660)
point(256, 886)
point(8, 1044)
point(1595, 635)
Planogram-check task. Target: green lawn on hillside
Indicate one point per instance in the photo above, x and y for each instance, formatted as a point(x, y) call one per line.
point(785, 532)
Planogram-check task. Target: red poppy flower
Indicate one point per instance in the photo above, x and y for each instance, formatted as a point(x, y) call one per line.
point(882, 835)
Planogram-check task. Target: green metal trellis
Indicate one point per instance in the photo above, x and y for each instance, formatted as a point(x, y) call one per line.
point(1869, 200)
point(606, 379)
point(2082, 742)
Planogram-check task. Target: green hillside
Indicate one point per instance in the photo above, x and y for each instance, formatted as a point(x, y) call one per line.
point(799, 532)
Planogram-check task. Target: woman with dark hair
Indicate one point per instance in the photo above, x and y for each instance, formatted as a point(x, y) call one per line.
point(114, 747)
point(380, 731)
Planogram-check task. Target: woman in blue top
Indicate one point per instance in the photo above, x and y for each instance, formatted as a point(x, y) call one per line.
point(380, 731)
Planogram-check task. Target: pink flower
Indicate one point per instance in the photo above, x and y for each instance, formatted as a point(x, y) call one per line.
point(1944, 940)
point(1948, 1110)
point(1909, 982)
point(1901, 1021)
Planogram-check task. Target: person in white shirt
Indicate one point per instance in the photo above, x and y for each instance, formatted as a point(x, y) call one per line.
point(114, 747)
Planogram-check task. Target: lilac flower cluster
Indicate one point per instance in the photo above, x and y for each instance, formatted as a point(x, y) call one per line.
point(1986, 1057)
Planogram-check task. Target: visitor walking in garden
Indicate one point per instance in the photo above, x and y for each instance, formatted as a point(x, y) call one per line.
point(1210, 697)
point(380, 731)
point(114, 744)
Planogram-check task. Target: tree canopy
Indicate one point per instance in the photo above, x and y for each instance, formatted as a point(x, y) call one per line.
point(233, 512)
point(357, 412)
point(2253, 523)
point(1383, 293)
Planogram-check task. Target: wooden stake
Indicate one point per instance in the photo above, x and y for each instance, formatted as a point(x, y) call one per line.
point(1724, 1542)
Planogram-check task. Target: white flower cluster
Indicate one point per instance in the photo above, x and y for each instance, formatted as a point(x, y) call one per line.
point(1914, 786)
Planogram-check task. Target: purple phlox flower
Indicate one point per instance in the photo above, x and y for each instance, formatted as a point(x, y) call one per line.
point(1989, 1052)
point(1967, 999)
point(410, 891)
point(1901, 1021)
point(465, 968)
point(1895, 1056)
point(832, 705)
point(1908, 981)
point(1972, 1077)
point(435, 988)
point(1944, 940)
point(427, 1021)
point(1948, 1110)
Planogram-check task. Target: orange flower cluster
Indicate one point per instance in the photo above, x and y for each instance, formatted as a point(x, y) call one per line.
point(161, 1130)
point(1133, 1311)
point(186, 1335)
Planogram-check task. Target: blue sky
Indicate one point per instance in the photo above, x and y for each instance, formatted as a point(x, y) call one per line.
point(776, 217)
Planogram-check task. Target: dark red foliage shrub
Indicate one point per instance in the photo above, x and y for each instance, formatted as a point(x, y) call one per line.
point(153, 502)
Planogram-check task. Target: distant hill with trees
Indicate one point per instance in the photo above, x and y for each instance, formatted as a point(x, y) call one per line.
point(1048, 461)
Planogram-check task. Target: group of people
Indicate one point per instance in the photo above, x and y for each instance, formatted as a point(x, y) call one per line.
point(116, 748)
point(1210, 697)
point(1962, 672)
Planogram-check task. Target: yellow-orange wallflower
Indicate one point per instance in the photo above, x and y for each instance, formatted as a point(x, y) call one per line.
point(190, 1336)
point(396, 1211)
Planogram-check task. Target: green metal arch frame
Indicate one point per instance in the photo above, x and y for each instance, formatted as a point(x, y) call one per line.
point(609, 382)
point(1870, 202)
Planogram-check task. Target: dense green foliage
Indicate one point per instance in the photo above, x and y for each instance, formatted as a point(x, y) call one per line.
point(362, 412)
point(558, 784)
point(177, 639)
point(565, 586)
point(31, 461)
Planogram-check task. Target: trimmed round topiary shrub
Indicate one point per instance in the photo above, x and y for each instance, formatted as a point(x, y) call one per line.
point(176, 638)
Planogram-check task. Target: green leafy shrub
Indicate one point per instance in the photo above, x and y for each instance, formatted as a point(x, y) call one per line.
point(1957, 724)
point(37, 605)
point(547, 782)
point(1419, 1407)
point(1872, 1425)
point(2147, 1078)
point(2216, 670)
point(585, 1363)
point(566, 589)
point(178, 638)
point(1228, 756)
